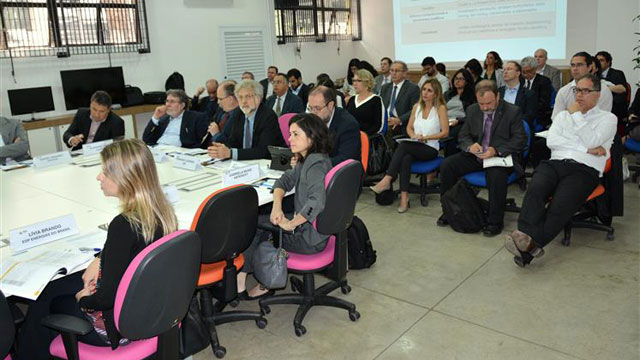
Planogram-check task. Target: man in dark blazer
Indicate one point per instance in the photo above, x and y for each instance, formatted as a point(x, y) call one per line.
point(97, 123)
point(516, 94)
point(252, 133)
point(209, 103)
point(506, 137)
point(405, 94)
point(616, 77)
point(541, 86)
point(342, 125)
point(283, 101)
point(267, 84)
point(228, 112)
point(297, 86)
point(171, 124)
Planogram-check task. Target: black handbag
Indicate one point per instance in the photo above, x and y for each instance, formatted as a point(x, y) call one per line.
point(379, 155)
point(270, 265)
point(133, 96)
point(194, 333)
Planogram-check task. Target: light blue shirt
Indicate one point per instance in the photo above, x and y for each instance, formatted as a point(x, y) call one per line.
point(297, 90)
point(510, 93)
point(251, 119)
point(171, 135)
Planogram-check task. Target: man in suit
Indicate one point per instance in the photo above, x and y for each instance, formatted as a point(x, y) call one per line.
point(514, 93)
point(492, 128)
point(384, 77)
point(283, 101)
point(94, 124)
point(220, 127)
point(547, 70)
point(297, 86)
point(342, 125)
point(540, 85)
point(171, 124)
point(14, 143)
point(398, 97)
point(616, 77)
point(267, 84)
point(209, 104)
point(252, 133)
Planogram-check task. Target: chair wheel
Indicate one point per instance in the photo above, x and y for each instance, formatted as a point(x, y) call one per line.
point(610, 235)
point(423, 200)
point(300, 330)
point(234, 303)
point(346, 289)
point(261, 323)
point(354, 315)
point(566, 241)
point(265, 309)
point(219, 352)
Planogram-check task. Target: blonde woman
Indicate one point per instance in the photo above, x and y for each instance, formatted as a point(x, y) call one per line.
point(366, 106)
point(128, 173)
point(428, 123)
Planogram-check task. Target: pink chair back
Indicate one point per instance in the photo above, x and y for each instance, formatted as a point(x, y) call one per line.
point(283, 121)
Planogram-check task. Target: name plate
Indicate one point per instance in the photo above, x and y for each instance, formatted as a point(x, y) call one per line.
point(95, 147)
point(43, 161)
point(171, 193)
point(243, 175)
point(159, 156)
point(187, 162)
point(42, 232)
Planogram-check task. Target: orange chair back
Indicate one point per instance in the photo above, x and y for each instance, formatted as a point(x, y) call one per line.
point(364, 150)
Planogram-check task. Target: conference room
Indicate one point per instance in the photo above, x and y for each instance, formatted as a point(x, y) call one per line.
point(432, 292)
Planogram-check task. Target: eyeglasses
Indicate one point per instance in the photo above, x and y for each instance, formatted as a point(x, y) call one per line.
point(583, 91)
point(226, 97)
point(575, 65)
point(316, 109)
point(172, 101)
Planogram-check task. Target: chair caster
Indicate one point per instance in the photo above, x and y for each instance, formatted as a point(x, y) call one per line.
point(219, 351)
point(261, 323)
point(300, 330)
point(423, 200)
point(234, 303)
point(354, 315)
point(610, 235)
point(345, 289)
point(265, 309)
point(566, 241)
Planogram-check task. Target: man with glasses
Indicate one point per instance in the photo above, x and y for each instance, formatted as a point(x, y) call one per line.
point(580, 140)
point(580, 64)
point(220, 128)
point(252, 132)
point(171, 124)
point(398, 97)
point(515, 93)
point(342, 125)
point(284, 101)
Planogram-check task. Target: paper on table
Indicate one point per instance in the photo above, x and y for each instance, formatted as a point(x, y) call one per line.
point(498, 161)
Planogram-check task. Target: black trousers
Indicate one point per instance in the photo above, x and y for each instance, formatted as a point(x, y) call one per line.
point(460, 164)
point(58, 297)
point(405, 154)
point(539, 151)
point(569, 184)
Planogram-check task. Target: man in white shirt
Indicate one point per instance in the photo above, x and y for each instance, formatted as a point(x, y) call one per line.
point(384, 76)
point(430, 72)
point(547, 70)
point(580, 140)
point(267, 84)
point(580, 64)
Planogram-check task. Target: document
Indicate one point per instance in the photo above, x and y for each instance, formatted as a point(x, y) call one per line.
point(498, 161)
point(409, 140)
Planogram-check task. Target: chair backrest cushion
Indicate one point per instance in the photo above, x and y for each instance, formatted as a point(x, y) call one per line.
point(7, 327)
point(156, 289)
point(364, 150)
point(341, 184)
point(283, 122)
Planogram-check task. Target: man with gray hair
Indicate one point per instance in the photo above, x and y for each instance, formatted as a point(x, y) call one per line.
point(398, 97)
point(540, 85)
point(547, 70)
point(14, 143)
point(171, 124)
point(252, 132)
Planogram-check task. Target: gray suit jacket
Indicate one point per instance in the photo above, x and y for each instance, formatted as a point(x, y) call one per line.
point(553, 74)
point(377, 84)
point(11, 129)
point(405, 99)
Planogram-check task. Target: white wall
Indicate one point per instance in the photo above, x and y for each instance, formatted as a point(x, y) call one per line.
point(185, 37)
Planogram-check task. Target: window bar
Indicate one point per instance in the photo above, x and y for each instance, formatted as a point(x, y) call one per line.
point(146, 28)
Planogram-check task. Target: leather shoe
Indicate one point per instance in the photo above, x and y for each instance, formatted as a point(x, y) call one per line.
point(492, 230)
point(442, 221)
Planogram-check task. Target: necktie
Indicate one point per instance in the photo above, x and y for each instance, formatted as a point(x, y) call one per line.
point(392, 104)
point(225, 117)
point(247, 134)
point(486, 132)
point(278, 107)
point(528, 85)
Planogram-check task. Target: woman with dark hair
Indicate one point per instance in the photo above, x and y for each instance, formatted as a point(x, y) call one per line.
point(473, 66)
point(324, 80)
point(458, 98)
point(367, 66)
point(311, 144)
point(493, 68)
point(347, 87)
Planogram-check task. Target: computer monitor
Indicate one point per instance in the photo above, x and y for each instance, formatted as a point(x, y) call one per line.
point(79, 85)
point(30, 100)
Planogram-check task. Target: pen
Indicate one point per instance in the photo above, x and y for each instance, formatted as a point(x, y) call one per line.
point(88, 249)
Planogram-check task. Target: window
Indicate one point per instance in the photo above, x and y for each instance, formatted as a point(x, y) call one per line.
point(317, 20)
point(72, 27)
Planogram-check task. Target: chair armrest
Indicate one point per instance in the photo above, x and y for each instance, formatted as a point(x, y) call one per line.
point(67, 324)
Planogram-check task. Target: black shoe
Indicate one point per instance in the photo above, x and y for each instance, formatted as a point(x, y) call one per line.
point(442, 221)
point(492, 230)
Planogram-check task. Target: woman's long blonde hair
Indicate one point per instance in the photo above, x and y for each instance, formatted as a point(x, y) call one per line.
point(438, 96)
point(130, 164)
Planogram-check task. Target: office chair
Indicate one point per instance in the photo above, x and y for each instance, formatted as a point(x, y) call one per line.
point(364, 151)
point(633, 146)
point(153, 295)
point(7, 327)
point(226, 222)
point(341, 184)
point(283, 122)
point(422, 168)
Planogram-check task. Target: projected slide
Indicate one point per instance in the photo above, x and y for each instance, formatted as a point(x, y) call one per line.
point(451, 30)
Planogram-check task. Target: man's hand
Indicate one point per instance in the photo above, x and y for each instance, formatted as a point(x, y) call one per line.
point(277, 216)
point(17, 140)
point(597, 151)
point(573, 108)
point(453, 122)
point(394, 122)
point(219, 151)
point(160, 111)
point(75, 140)
point(475, 148)
point(491, 152)
point(213, 128)
point(199, 91)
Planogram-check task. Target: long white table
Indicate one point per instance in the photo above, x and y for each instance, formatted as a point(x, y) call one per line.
point(31, 195)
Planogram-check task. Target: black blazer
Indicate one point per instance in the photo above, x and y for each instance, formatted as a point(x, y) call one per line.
point(266, 131)
point(111, 128)
point(405, 99)
point(265, 86)
point(303, 94)
point(192, 130)
point(292, 103)
point(507, 132)
point(619, 100)
point(541, 87)
point(205, 105)
point(526, 101)
point(346, 137)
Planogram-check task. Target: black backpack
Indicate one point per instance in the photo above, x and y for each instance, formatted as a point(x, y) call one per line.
point(462, 208)
point(174, 81)
point(133, 96)
point(386, 197)
point(361, 253)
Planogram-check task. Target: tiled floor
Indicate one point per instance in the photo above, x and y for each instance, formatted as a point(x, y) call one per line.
point(438, 294)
